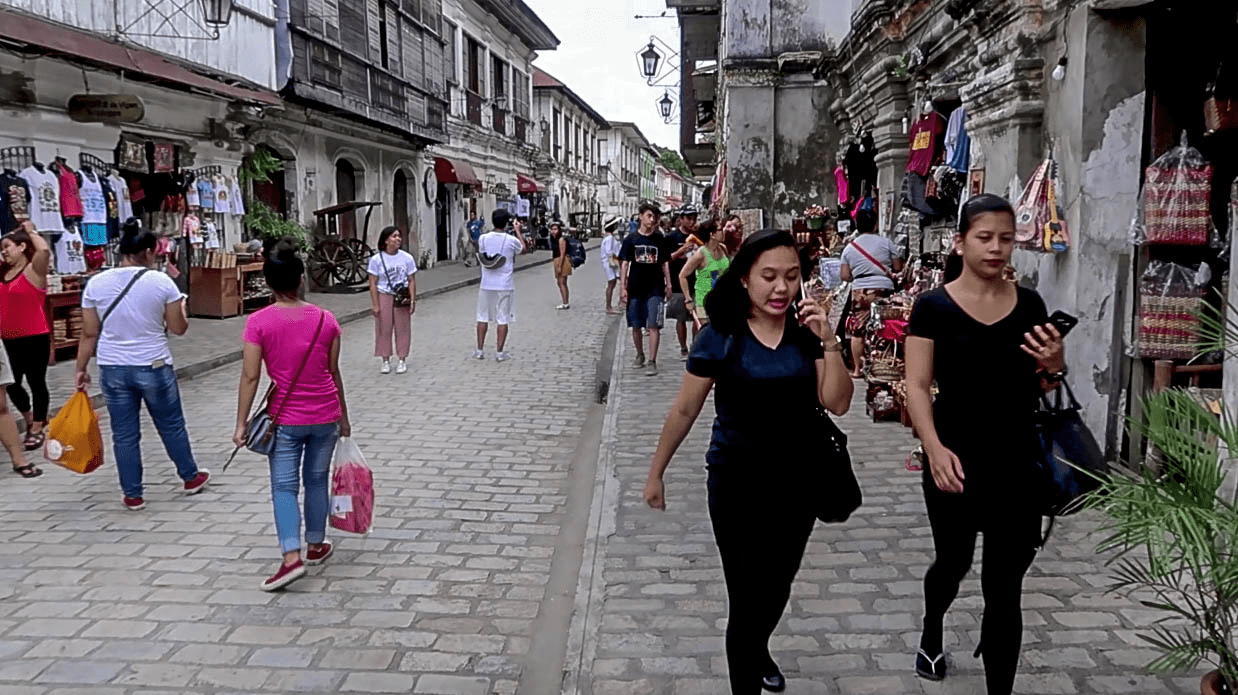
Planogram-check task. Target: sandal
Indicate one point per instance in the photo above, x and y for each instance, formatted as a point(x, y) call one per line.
point(915, 461)
point(34, 440)
point(27, 471)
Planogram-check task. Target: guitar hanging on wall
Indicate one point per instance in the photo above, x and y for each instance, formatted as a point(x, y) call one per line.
point(1056, 240)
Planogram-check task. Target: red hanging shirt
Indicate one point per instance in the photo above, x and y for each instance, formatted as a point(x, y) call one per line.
point(926, 141)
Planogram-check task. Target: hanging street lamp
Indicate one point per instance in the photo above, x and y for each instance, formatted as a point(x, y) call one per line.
point(666, 106)
point(650, 58)
point(217, 13)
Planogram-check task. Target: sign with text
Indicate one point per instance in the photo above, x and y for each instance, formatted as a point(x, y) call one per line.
point(105, 108)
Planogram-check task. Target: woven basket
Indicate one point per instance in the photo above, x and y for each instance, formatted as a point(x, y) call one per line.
point(1169, 326)
point(886, 369)
point(1176, 205)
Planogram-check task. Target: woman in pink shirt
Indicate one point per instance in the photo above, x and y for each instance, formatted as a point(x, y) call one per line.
point(300, 345)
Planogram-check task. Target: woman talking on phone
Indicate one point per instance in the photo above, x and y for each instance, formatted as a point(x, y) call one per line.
point(776, 364)
point(990, 348)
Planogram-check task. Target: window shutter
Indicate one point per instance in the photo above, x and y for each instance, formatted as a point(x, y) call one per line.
point(373, 35)
point(394, 59)
point(434, 67)
point(330, 13)
point(352, 27)
point(414, 70)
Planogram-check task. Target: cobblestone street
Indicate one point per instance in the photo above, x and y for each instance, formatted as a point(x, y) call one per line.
point(658, 606)
point(471, 463)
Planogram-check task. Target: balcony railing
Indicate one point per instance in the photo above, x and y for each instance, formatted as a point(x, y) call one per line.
point(473, 108)
point(500, 120)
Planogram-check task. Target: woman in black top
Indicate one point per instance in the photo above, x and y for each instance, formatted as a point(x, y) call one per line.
point(775, 364)
point(983, 340)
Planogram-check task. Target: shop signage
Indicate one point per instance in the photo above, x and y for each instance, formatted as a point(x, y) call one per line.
point(105, 108)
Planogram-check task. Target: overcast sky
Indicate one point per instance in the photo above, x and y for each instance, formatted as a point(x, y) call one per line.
point(596, 58)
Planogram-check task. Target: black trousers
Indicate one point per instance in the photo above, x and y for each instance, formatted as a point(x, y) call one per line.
point(761, 528)
point(28, 358)
point(1011, 534)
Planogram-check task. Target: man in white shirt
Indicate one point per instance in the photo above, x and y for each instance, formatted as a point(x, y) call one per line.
point(497, 251)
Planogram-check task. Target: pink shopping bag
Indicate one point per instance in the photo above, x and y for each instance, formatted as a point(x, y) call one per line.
point(352, 489)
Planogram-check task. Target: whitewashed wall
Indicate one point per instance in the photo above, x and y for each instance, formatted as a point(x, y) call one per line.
point(245, 48)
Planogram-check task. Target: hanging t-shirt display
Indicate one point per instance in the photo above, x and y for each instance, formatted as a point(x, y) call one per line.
point(69, 254)
point(206, 193)
point(44, 199)
point(223, 195)
point(113, 208)
point(14, 200)
point(133, 155)
point(191, 193)
point(121, 189)
point(94, 205)
point(238, 202)
point(926, 141)
point(164, 158)
point(211, 235)
point(70, 200)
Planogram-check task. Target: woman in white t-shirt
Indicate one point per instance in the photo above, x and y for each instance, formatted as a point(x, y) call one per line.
point(610, 261)
point(393, 299)
point(125, 311)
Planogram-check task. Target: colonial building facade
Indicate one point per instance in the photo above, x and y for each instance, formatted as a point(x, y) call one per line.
point(569, 162)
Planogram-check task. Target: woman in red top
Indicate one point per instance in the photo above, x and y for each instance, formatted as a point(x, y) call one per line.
point(23, 325)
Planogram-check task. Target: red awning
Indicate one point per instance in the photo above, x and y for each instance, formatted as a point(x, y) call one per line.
point(451, 171)
point(528, 184)
point(79, 45)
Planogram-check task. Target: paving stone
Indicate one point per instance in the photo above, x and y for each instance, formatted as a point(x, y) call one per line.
point(80, 671)
point(437, 684)
point(364, 682)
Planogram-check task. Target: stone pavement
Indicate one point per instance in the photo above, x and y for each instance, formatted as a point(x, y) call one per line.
point(212, 343)
point(652, 604)
point(447, 594)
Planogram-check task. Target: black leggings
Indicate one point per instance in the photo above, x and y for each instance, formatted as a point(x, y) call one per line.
point(1010, 538)
point(761, 533)
point(28, 358)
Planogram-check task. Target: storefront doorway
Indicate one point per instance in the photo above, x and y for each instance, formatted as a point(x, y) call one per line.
point(346, 192)
point(442, 217)
point(399, 200)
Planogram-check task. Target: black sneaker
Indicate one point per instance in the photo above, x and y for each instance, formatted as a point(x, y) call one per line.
point(931, 668)
point(774, 682)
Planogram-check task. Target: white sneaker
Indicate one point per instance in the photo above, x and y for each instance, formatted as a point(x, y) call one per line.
point(502, 357)
point(386, 368)
point(561, 307)
point(400, 367)
point(479, 354)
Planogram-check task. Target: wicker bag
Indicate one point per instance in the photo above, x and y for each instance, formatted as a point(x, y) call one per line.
point(886, 368)
point(1176, 198)
point(1171, 297)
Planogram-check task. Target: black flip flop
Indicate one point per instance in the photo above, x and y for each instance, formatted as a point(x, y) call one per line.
point(27, 471)
point(34, 440)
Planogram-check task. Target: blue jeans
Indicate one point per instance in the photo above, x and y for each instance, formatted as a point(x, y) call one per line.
point(301, 451)
point(124, 389)
point(646, 312)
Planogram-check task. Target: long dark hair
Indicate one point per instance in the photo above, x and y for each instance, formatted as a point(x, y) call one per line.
point(18, 237)
point(134, 239)
point(384, 235)
point(282, 266)
point(979, 205)
point(728, 304)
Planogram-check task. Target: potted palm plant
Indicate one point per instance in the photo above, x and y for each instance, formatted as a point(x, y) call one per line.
point(1174, 525)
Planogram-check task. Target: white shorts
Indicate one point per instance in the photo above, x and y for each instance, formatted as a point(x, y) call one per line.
point(6, 371)
point(496, 306)
point(612, 273)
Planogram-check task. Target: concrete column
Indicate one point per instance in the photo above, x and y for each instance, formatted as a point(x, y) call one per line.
point(750, 147)
point(891, 100)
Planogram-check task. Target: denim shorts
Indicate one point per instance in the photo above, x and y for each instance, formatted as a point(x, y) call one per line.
point(646, 312)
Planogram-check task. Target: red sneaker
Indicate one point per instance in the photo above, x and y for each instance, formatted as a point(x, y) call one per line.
point(134, 503)
point(318, 556)
point(197, 483)
point(286, 575)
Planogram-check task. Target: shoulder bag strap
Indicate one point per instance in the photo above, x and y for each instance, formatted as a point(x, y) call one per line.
point(385, 271)
point(880, 266)
point(122, 294)
point(322, 318)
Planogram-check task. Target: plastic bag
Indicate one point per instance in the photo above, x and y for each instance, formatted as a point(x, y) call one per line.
point(73, 438)
point(1175, 204)
point(352, 489)
point(1040, 219)
point(1171, 297)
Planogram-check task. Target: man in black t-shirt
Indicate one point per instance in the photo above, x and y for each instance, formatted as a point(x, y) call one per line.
point(680, 249)
point(645, 280)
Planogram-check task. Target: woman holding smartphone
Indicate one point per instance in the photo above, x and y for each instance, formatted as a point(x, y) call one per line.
point(776, 365)
point(989, 346)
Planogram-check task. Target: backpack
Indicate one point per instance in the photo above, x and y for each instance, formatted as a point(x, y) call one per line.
point(575, 252)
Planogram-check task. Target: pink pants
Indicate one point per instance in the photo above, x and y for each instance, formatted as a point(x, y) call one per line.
point(391, 319)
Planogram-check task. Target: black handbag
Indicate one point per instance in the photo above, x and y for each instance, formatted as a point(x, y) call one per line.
point(1071, 462)
point(400, 295)
point(838, 492)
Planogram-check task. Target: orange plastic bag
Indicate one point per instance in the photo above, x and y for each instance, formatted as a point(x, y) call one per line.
point(73, 438)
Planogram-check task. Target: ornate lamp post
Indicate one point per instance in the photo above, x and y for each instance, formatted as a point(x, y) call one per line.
point(217, 13)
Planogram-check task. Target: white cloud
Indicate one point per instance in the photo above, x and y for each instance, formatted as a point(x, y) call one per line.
point(596, 58)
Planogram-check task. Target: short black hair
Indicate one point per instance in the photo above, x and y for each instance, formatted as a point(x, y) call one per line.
point(384, 235)
point(649, 207)
point(501, 218)
point(134, 239)
point(866, 222)
point(282, 266)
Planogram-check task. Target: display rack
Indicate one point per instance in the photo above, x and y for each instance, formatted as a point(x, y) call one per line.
point(96, 163)
point(16, 158)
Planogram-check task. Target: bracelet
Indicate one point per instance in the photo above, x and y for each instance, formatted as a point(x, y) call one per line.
point(835, 346)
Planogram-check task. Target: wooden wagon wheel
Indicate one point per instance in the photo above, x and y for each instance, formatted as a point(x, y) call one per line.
point(359, 271)
point(330, 262)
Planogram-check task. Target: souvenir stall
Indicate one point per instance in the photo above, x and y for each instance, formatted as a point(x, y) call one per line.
point(1184, 219)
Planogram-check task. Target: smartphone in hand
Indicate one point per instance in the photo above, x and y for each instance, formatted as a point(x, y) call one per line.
point(1063, 322)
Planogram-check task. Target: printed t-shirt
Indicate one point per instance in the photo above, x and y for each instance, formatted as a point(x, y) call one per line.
point(94, 204)
point(121, 189)
point(285, 334)
point(14, 201)
point(133, 335)
point(926, 139)
point(399, 266)
point(867, 275)
point(44, 199)
point(499, 243)
point(645, 256)
point(69, 254)
point(674, 240)
point(70, 199)
point(749, 377)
